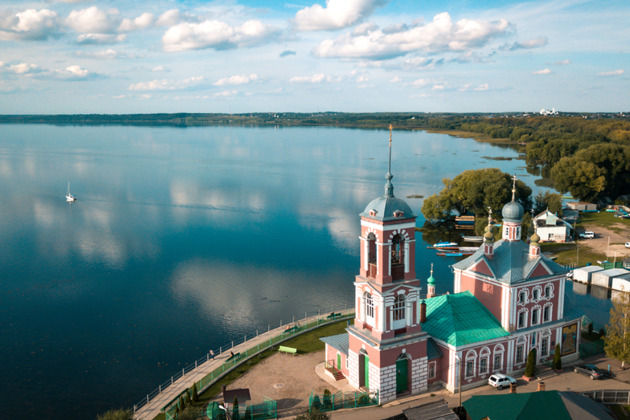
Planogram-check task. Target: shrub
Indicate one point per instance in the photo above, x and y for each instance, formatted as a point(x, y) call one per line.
point(557, 358)
point(317, 404)
point(120, 414)
point(327, 400)
point(531, 364)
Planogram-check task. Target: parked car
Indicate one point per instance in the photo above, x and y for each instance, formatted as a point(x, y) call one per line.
point(587, 235)
point(591, 370)
point(500, 381)
point(627, 244)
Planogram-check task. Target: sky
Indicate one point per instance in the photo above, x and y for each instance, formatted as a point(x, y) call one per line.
point(115, 56)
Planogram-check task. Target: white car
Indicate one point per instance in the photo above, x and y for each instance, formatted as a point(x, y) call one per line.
point(587, 235)
point(627, 244)
point(500, 381)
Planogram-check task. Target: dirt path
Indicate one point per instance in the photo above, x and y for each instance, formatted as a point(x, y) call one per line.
point(287, 379)
point(601, 241)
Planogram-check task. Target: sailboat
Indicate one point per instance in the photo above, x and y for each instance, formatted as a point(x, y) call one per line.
point(69, 197)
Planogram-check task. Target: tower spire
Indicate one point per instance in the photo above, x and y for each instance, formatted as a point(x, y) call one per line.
point(389, 188)
point(513, 186)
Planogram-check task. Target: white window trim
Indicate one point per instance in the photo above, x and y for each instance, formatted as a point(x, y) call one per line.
point(539, 320)
point(519, 346)
point(471, 356)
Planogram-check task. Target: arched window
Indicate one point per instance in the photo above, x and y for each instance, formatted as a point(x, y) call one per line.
point(399, 308)
point(471, 362)
point(484, 361)
point(369, 308)
point(497, 363)
point(371, 238)
point(397, 249)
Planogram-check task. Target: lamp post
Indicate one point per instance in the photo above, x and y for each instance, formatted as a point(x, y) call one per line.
point(227, 413)
point(459, 378)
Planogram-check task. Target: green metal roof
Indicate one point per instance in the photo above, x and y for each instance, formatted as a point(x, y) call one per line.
point(533, 405)
point(460, 319)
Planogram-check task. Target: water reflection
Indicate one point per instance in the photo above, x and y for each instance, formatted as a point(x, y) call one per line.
point(183, 239)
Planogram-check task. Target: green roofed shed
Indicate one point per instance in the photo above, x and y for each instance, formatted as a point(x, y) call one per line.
point(460, 319)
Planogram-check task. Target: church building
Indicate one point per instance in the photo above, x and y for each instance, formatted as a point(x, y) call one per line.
point(508, 299)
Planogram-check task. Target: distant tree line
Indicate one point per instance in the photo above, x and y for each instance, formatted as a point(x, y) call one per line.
point(587, 155)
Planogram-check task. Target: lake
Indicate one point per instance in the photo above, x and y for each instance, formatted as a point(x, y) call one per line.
point(183, 239)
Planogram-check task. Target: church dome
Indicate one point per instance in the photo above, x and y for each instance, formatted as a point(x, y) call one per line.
point(387, 208)
point(535, 239)
point(513, 211)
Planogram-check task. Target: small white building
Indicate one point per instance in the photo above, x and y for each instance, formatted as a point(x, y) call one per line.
point(605, 278)
point(584, 274)
point(582, 206)
point(550, 228)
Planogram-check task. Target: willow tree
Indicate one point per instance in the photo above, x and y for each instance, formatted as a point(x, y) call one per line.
point(617, 338)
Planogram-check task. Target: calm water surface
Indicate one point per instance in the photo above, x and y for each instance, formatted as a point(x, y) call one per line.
point(183, 240)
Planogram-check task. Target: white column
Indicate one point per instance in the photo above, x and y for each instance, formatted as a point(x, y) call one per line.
point(389, 260)
point(561, 299)
point(391, 319)
point(408, 312)
point(366, 253)
point(510, 357)
point(406, 257)
point(381, 314)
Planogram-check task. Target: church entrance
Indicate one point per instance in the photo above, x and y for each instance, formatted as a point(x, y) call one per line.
point(402, 375)
point(364, 370)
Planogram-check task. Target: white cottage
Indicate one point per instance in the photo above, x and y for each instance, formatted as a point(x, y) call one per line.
point(550, 228)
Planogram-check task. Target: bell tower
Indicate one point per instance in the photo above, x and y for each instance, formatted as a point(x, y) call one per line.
point(387, 298)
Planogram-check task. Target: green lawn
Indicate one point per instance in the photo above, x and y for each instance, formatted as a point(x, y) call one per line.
point(606, 220)
point(305, 343)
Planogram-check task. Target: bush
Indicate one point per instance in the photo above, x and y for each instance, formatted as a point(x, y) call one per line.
point(327, 400)
point(120, 414)
point(313, 415)
point(557, 358)
point(589, 328)
point(194, 395)
point(317, 404)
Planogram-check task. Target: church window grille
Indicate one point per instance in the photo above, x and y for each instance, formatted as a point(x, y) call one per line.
point(498, 361)
point(483, 365)
point(399, 308)
point(544, 346)
point(369, 306)
point(535, 316)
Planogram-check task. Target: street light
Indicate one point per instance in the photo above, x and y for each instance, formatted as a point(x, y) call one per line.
point(227, 413)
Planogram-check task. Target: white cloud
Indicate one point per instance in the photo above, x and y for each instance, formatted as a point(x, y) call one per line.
point(20, 68)
point(611, 73)
point(336, 15)
point(217, 35)
point(141, 22)
point(159, 68)
point(563, 62)
point(107, 54)
point(93, 20)
point(29, 24)
point(396, 79)
point(237, 80)
point(73, 72)
point(165, 84)
point(225, 94)
point(99, 39)
point(477, 88)
point(439, 35)
point(538, 42)
point(169, 18)
point(420, 82)
point(543, 71)
point(316, 78)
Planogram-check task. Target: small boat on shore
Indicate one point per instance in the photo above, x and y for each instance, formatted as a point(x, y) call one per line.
point(473, 238)
point(454, 254)
point(444, 244)
point(69, 197)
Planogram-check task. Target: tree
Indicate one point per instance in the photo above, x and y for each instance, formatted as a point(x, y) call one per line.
point(548, 201)
point(557, 358)
point(530, 367)
point(189, 413)
point(475, 190)
point(120, 414)
point(617, 338)
point(584, 180)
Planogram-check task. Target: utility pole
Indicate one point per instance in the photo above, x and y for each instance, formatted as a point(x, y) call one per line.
point(459, 379)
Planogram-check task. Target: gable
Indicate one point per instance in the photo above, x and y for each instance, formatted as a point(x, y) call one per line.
point(539, 271)
point(482, 267)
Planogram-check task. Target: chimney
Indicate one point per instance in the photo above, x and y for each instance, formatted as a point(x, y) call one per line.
point(423, 312)
point(541, 386)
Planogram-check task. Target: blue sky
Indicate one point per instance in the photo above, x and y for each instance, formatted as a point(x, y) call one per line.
point(141, 56)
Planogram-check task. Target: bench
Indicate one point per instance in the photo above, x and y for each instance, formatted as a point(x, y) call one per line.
point(333, 315)
point(291, 329)
point(233, 357)
point(285, 349)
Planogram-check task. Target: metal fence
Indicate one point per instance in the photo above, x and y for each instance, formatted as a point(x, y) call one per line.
point(331, 402)
point(268, 409)
point(295, 327)
point(591, 348)
point(609, 396)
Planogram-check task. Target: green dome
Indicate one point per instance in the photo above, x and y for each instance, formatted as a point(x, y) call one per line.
point(513, 211)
